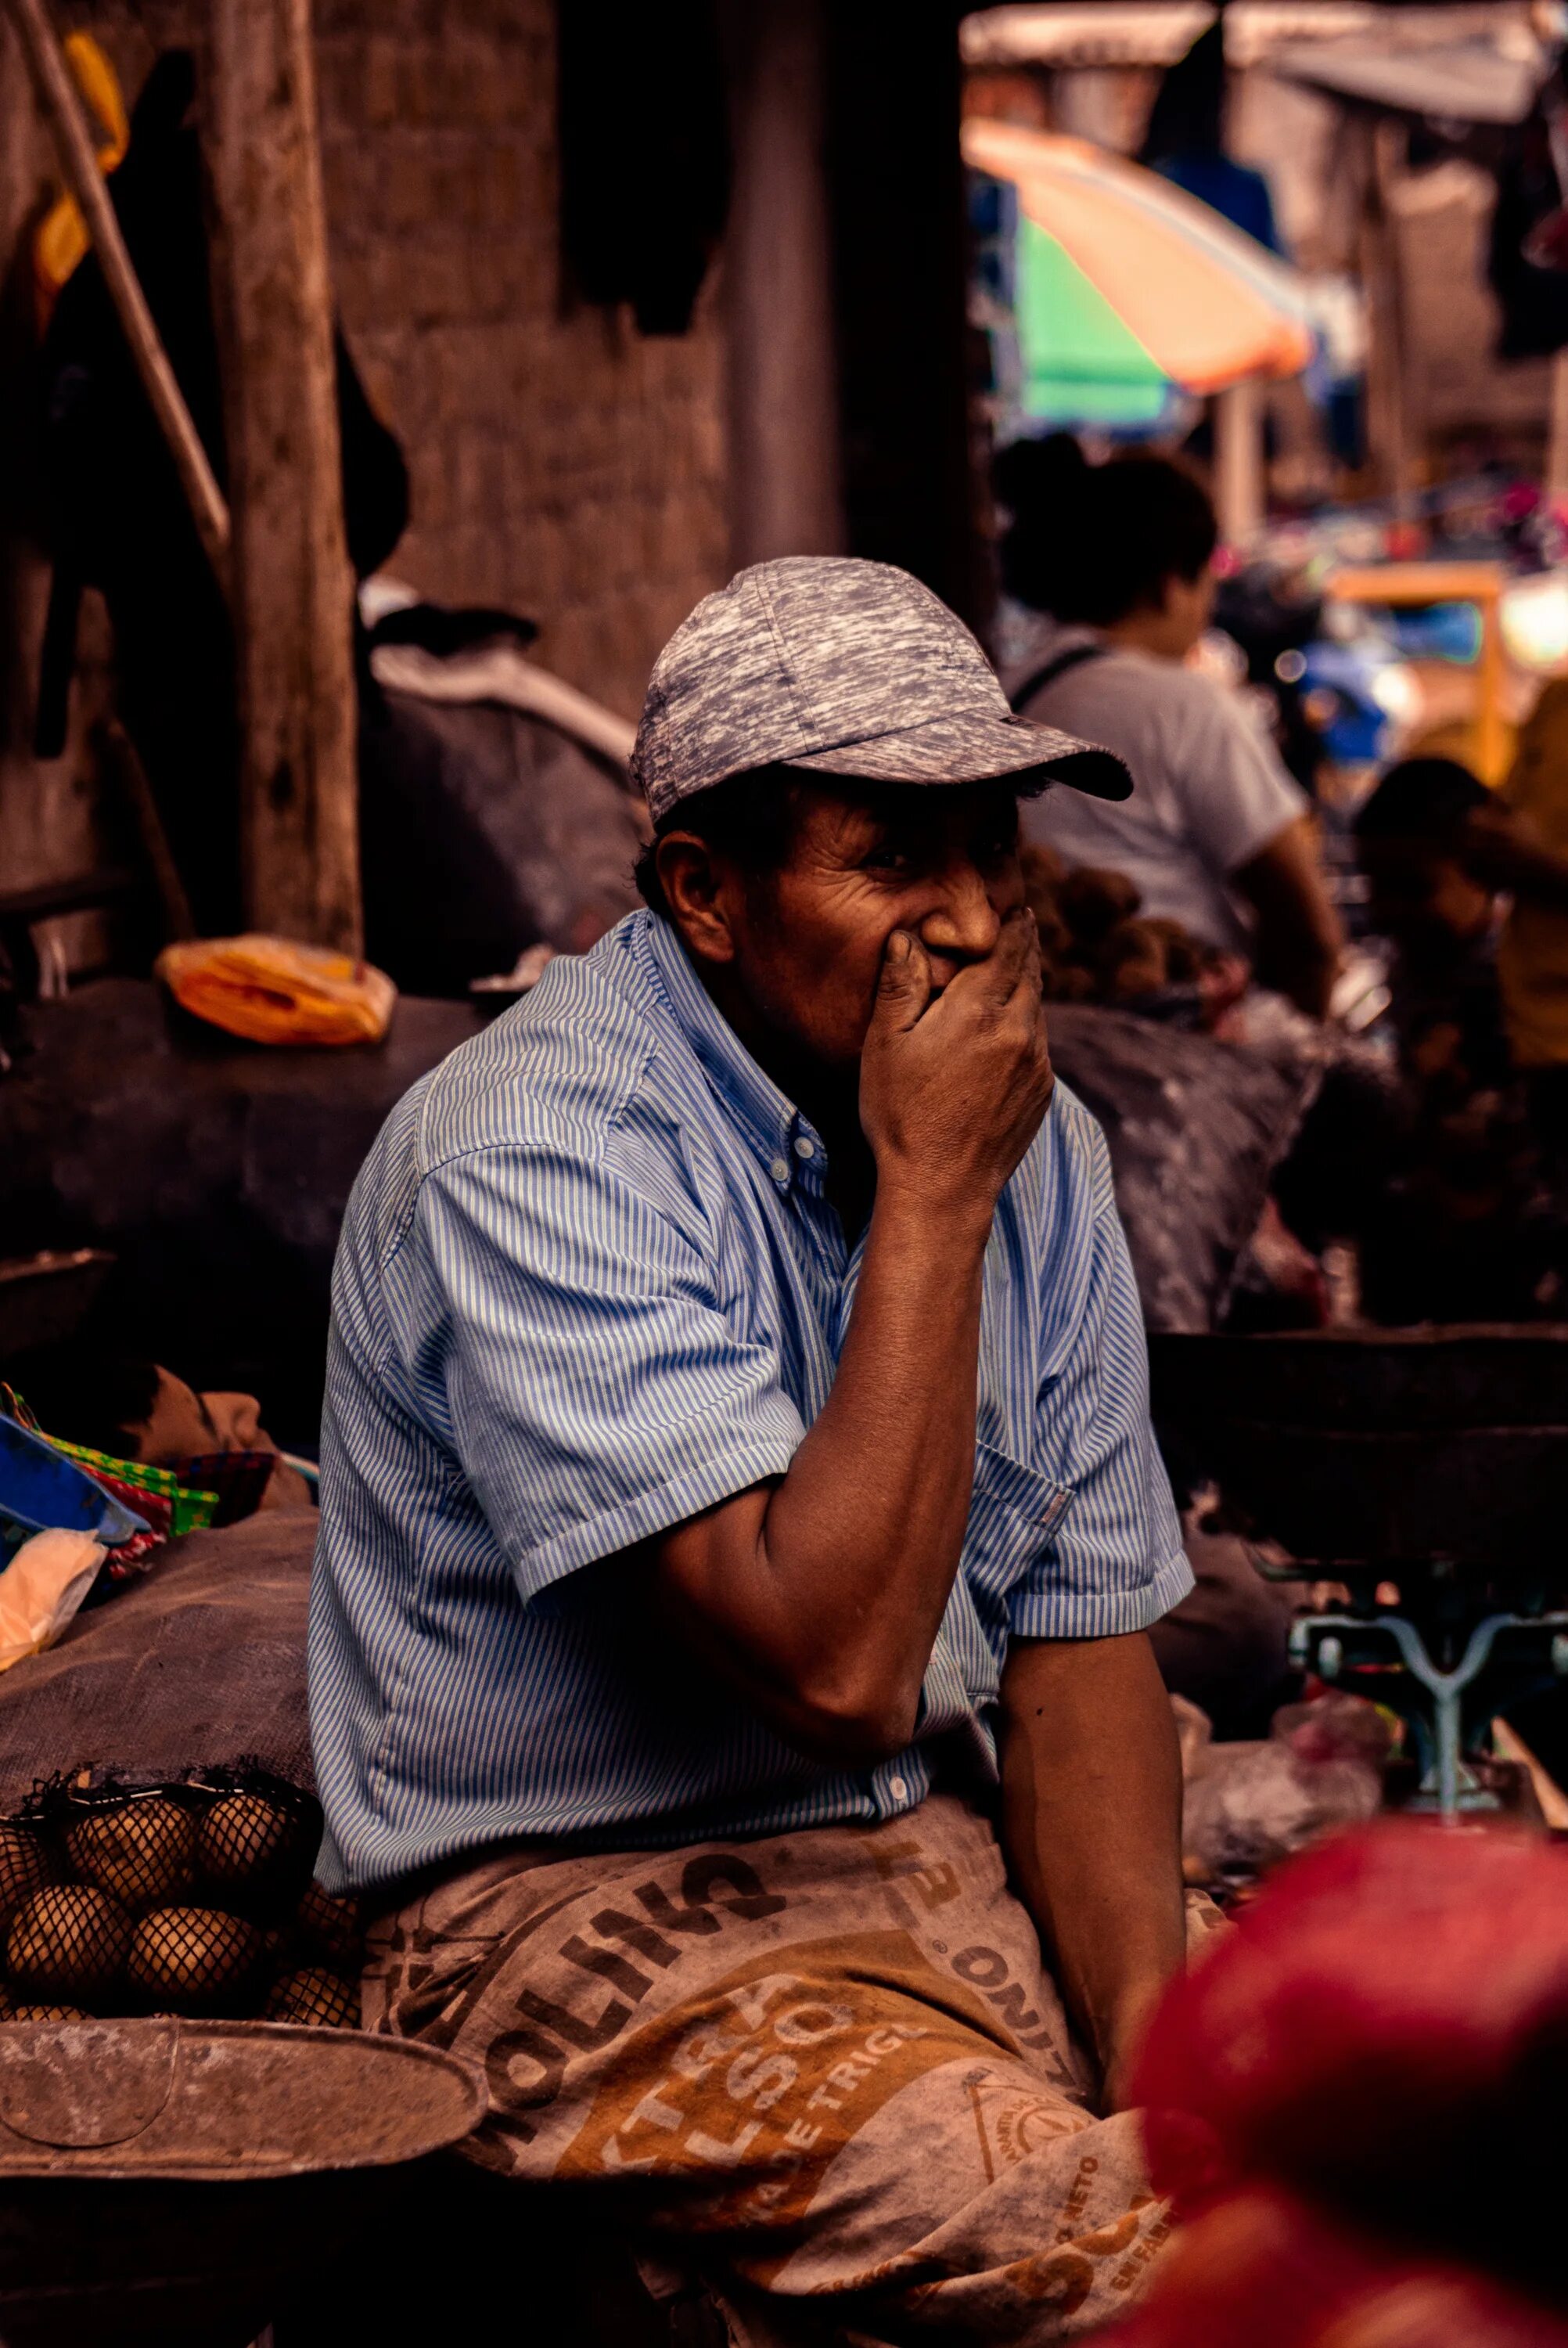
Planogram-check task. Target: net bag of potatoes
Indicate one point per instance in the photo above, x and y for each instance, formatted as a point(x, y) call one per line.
point(191, 1897)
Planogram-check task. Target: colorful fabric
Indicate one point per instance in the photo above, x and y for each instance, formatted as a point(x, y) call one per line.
point(827, 2071)
point(166, 1507)
point(235, 1480)
point(589, 1283)
point(187, 1506)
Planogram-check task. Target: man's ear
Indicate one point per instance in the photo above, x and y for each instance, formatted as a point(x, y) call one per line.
point(695, 893)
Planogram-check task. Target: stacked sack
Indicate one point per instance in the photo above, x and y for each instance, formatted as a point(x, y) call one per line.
point(190, 1899)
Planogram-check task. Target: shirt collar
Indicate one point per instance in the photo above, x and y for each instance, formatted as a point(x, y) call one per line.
point(785, 1142)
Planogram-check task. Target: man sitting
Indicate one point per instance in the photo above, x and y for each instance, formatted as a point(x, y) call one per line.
point(741, 1522)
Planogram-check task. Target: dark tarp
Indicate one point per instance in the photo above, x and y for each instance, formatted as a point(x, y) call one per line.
point(1196, 1130)
point(201, 1660)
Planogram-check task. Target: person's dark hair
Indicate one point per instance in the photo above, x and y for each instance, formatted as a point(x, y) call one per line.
point(749, 817)
point(83, 1395)
point(1094, 542)
point(1428, 800)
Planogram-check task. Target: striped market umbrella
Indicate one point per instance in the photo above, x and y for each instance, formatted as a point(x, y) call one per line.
point(1127, 289)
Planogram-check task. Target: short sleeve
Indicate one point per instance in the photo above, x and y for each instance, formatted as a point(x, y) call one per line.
point(1115, 1560)
point(578, 1361)
point(1234, 793)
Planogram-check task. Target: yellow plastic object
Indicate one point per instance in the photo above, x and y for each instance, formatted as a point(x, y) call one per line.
point(60, 240)
point(1410, 586)
point(272, 990)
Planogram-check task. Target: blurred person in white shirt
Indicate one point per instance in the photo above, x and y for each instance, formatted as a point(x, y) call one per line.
point(1115, 562)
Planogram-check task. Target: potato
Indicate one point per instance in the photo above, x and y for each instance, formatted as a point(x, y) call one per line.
point(193, 1960)
point(26, 1866)
point(143, 1853)
point(68, 1941)
point(313, 1995)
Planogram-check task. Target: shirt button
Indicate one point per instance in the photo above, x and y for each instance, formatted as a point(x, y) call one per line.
point(805, 1146)
point(898, 1788)
point(779, 1169)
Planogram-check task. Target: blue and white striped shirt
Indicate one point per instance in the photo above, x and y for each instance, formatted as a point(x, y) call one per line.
point(589, 1283)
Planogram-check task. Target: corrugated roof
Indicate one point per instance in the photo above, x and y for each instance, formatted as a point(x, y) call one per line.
point(1158, 32)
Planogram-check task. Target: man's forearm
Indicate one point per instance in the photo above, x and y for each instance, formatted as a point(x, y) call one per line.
point(821, 1596)
point(1299, 941)
point(1092, 1821)
point(855, 1551)
point(1502, 850)
point(865, 1533)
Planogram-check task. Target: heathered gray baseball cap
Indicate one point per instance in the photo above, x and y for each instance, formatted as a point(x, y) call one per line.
point(842, 668)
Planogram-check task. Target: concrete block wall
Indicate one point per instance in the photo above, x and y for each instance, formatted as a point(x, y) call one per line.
point(561, 463)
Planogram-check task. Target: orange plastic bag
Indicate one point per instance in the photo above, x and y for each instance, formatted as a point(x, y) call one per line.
point(61, 241)
point(272, 990)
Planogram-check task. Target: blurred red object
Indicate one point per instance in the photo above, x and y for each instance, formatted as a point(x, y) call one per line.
point(1384, 2036)
point(1406, 542)
point(1264, 2270)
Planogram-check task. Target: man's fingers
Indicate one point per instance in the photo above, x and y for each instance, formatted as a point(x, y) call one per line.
point(1012, 963)
point(904, 986)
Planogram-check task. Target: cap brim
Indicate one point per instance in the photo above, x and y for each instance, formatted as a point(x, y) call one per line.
point(976, 750)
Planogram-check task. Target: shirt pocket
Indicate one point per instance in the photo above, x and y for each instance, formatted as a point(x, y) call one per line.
point(1013, 1512)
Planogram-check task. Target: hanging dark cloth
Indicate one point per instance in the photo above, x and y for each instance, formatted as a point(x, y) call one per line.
point(644, 154)
point(1534, 301)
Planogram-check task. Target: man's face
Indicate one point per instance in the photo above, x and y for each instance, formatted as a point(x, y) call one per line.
point(803, 947)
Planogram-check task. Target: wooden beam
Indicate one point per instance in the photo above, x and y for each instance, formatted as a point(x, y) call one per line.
point(79, 165)
point(1240, 474)
point(119, 752)
point(1556, 482)
point(1388, 388)
point(785, 496)
point(292, 585)
point(915, 457)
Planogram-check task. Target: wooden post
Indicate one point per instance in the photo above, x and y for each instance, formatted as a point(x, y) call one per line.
point(1389, 400)
point(292, 586)
point(1491, 729)
point(784, 487)
point(1241, 498)
point(916, 452)
point(79, 165)
point(1555, 485)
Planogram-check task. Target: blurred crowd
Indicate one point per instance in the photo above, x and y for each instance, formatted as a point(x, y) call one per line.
point(1219, 898)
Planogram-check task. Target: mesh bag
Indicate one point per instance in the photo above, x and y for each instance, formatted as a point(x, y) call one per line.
point(196, 1961)
point(311, 1993)
point(330, 1932)
point(192, 1897)
point(27, 1864)
point(256, 1840)
point(68, 1941)
point(141, 1851)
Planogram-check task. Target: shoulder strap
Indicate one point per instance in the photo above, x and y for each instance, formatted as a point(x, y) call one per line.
point(1036, 682)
